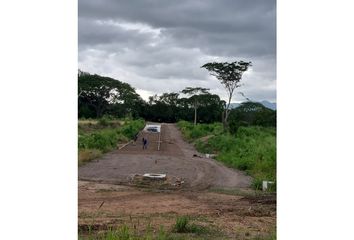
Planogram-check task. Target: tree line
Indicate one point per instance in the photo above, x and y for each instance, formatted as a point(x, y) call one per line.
point(99, 96)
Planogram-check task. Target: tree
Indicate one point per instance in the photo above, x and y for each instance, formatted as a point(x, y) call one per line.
point(169, 98)
point(195, 94)
point(230, 75)
point(251, 114)
point(210, 108)
point(98, 95)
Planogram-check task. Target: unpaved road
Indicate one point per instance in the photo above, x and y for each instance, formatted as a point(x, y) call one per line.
point(105, 201)
point(176, 158)
point(240, 216)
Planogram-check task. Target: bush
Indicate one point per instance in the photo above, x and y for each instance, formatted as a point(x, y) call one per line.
point(253, 150)
point(234, 126)
point(104, 121)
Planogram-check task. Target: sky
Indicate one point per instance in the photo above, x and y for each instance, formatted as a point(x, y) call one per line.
point(159, 46)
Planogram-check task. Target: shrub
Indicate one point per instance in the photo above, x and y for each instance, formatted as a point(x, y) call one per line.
point(104, 121)
point(253, 150)
point(257, 184)
point(181, 224)
point(235, 125)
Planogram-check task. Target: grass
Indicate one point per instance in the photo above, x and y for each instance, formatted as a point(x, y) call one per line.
point(103, 135)
point(86, 155)
point(191, 132)
point(252, 150)
point(183, 225)
point(182, 229)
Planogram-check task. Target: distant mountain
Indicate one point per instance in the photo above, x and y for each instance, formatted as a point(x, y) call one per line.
point(234, 105)
point(267, 104)
point(271, 105)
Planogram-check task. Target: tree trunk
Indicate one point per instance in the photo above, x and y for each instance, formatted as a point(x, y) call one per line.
point(224, 121)
point(195, 115)
point(226, 114)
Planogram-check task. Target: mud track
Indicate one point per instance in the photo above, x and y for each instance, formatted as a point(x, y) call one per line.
point(176, 158)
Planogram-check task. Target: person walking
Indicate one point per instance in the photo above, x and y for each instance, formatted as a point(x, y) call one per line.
point(143, 140)
point(144, 143)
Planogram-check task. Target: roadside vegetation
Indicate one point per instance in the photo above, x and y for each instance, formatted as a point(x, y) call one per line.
point(251, 149)
point(182, 229)
point(103, 135)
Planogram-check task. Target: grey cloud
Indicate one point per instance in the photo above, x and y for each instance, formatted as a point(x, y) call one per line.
point(190, 33)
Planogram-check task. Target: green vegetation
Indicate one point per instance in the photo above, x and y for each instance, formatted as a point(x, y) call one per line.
point(183, 225)
point(191, 132)
point(103, 135)
point(196, 97)
point(229, 75)
point(183, 229)
point(99, 95)
point(252, 149)
point(251, 114)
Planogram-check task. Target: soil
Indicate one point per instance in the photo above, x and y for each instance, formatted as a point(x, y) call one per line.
point(112, 190)
point(176, 158)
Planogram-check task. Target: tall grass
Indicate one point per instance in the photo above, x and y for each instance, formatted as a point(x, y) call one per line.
point(106, 139)
point(191, 132)
point(252, 150)
point(104, 135)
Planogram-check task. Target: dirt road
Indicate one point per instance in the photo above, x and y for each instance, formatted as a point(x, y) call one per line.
point(239, 215)
point(109, 198)
point(176, 158)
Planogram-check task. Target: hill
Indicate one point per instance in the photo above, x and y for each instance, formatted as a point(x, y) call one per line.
point(267, 104)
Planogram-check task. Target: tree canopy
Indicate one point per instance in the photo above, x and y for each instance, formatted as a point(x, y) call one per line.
point(196, 97)
point(251, 114)
point(229, 75)
point(98, 95)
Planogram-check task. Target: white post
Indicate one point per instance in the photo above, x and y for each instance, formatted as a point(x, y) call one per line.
point(265, 185)
point(158, 145)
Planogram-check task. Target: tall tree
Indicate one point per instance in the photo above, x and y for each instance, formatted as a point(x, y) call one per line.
point(230, 75)
point(169, 98)
point(195, 94)
point(103, 93)
point(210, 109)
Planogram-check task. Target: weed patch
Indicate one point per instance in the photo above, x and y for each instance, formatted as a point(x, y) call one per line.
point(96, 137)
point(86, 155)
point(183, 225)
point(252, 149)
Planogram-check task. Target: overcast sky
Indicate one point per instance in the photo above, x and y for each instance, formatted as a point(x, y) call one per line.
point(159, 45)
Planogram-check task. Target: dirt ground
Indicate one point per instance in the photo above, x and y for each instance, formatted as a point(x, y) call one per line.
point(176, 158)
point(112, 191)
